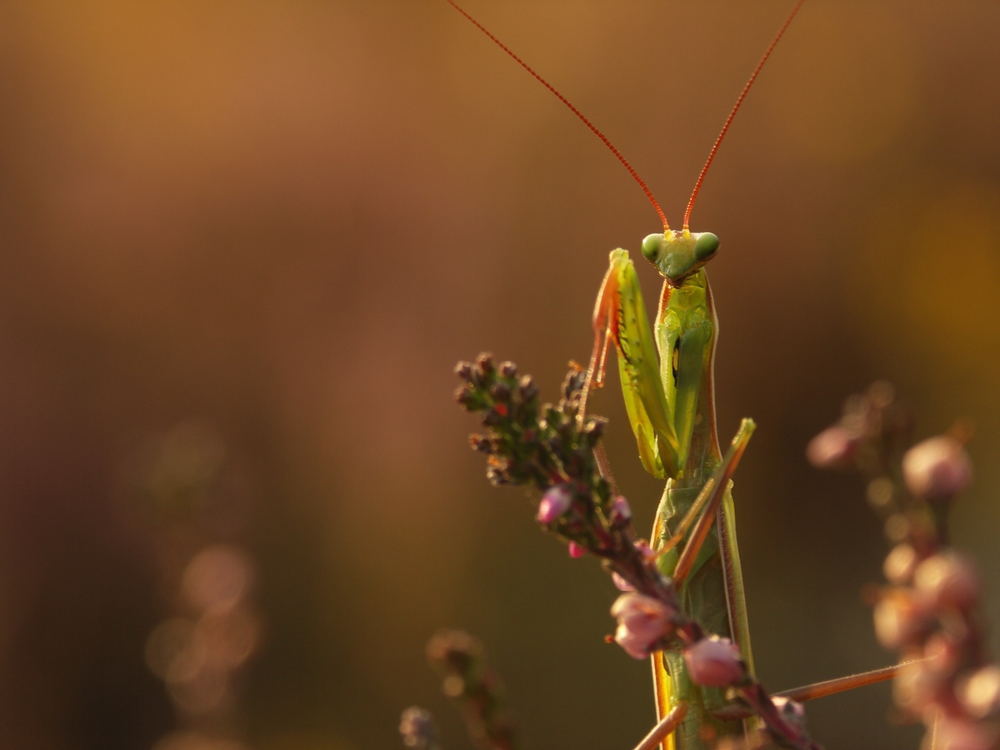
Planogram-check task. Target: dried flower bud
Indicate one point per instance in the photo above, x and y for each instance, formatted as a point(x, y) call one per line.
point(947, 580)
point(899, 564)
point(484, 363)
point(620, 513)
point(526, 388)
point(508, 369)
point(500, 391)
point(961, 734)
point(555, 502)
point(594, 429)
point(642, 621)
point(980, 693)
point(454, 648)
point(937, 469)
point(466, 396)
point(833, 448)
point(715, 662)
point(464, 371)
point(497, 476)
point(620, 583)
point(418, 730)
point(899, 621)
point(791, 711)
point(576, 550)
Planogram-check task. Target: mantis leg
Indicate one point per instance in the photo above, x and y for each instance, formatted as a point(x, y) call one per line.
point(620, 317)
point(703, 592)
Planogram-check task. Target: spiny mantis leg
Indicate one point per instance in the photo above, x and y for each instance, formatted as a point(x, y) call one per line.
point(701, 515)
point(665, 726)
point(818, 690)
point(620, 316)
point(706, 506)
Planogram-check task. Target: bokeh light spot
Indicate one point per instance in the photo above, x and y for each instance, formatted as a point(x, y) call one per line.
point(219, 576)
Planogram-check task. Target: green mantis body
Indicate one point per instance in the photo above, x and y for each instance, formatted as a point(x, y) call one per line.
point(671, 406)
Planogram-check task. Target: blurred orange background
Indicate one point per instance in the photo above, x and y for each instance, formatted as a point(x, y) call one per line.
point(283, 223)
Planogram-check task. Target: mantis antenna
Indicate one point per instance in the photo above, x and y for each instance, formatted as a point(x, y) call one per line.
point(736, 107)
point(575, 111)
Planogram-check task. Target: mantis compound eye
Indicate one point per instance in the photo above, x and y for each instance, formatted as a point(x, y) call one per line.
point(705, 246)
point(651, 247)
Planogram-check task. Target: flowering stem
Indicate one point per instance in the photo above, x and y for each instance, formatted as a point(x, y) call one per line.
point(552, 448)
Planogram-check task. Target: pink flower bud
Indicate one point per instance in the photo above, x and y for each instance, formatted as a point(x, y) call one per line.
point(899, 620)
point(942, 654)
point(947, 580)
point(642, 621)
point(576, 551)
point(620, 511)
point(555, 502)
point(937, 468)
point(961, 734)
point(645, 550)
point(900, 564)
point(980, 693)
point(833, 448)
point(915, 688)
point(715, 662)
point(621, 584)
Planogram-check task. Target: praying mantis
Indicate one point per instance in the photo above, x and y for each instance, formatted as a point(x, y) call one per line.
point(668, 385)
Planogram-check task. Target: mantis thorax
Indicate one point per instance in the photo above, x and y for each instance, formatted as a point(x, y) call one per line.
point(679, 254)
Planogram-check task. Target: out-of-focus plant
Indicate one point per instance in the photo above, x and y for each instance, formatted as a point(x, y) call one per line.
point(212, 627)
point(929, 611)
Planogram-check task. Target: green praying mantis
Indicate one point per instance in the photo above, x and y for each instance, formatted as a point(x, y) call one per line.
point(667, 381)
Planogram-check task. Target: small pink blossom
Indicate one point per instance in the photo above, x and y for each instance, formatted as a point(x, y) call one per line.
point(915, 688)
point(980, 693)
point(947, 580)
point(646, 551)
point(962, 734)
point(833, 448)
point(899, 619)
point(715, 662)
point(900, 564)
point(576, 550)
point(555, 502)
point(621, 584)
point(937, 468)
point(620, 512)
point(642, 621)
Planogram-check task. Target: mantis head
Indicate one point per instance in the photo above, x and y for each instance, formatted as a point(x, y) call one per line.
point(677, 255)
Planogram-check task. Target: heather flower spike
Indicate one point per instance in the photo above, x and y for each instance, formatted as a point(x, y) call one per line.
point(552, 447)
point(473, 685)
point(930, 612)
